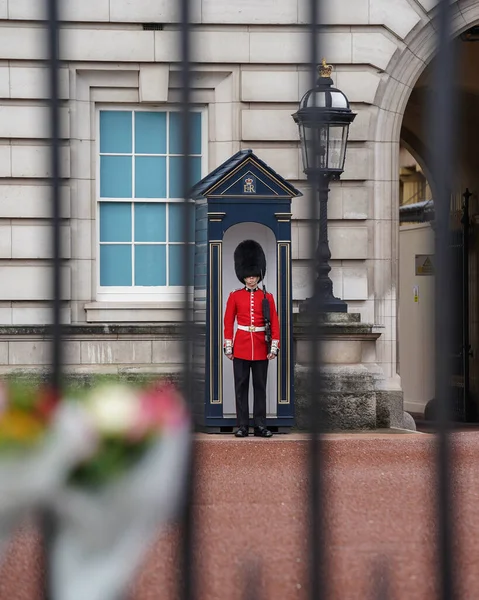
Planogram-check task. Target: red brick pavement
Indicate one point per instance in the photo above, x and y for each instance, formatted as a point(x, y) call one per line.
point(251, 504)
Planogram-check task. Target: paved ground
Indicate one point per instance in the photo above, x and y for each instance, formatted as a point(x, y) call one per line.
point(251, 504)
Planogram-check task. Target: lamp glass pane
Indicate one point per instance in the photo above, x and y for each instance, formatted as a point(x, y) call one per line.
point(337, 146)
point(323, 147)
point(338, 100)
point(309, 146)
point(314, 146)
point(304, 152)
point(317, 99)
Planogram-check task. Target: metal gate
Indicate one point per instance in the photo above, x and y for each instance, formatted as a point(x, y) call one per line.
point(463, 404)
point(442, 129)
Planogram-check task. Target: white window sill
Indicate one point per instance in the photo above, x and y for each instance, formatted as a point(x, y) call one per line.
point(134, 312)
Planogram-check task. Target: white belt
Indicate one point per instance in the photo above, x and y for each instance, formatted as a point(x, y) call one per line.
point(250, 328)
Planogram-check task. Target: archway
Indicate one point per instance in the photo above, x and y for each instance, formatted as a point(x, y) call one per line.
point(403, 103)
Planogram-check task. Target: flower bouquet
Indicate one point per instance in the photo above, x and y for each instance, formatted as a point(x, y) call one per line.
point(40, 441)
point(118, 498)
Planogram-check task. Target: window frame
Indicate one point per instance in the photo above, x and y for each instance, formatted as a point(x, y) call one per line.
point(141, 293)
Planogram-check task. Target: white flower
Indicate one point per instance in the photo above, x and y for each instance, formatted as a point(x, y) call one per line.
point(113, 409)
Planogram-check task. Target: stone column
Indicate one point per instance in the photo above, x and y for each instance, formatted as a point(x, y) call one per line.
point(354, 390)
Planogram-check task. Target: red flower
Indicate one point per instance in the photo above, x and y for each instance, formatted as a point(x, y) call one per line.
point(47, 403)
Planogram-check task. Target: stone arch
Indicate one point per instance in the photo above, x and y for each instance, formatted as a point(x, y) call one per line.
point(406, 66)
point(398, 81)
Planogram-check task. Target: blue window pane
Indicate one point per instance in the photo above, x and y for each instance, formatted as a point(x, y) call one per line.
point(150, 133)
point(115, 131)
point(115, 222)
point(115, 265)
point(175, 133)
point(176, 259)
point(176, 214)
point(150, 177)
point(115, 176)
point(150, 265)
point(150, 222)
point(176, 175)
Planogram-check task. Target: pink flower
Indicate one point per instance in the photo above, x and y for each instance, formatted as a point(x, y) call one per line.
point(160, 408)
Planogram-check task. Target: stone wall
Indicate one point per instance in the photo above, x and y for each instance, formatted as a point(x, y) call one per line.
point(250, 72)
point(356, 396)
point(90, 349)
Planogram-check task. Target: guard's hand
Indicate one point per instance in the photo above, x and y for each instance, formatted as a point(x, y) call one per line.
point(230, 356)
point(271, 356)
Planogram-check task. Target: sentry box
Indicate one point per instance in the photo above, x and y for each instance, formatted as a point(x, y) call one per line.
point(242, 199)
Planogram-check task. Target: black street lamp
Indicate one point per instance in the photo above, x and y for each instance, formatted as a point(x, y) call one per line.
point(323, 119)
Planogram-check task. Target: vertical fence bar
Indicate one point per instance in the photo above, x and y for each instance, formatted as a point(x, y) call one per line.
point(317, 579)
point(187, 580)
point(442, 143)
point(466, 347)
point(48, 521)
point(53, 30)
point(381, 579)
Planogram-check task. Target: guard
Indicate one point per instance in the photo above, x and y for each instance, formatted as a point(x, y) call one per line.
point(257, 336)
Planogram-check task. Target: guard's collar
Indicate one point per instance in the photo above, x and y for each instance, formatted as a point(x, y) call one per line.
point(251, 290)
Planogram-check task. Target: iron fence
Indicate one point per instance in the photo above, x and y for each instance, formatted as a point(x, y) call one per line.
point(442, 130)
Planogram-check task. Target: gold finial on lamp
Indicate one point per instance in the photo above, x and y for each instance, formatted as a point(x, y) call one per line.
point(325, 70)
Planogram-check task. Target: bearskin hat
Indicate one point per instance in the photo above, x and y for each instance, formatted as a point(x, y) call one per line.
point(250, 260)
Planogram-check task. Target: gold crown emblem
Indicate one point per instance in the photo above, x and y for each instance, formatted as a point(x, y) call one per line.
point(325, 70)
point(248, 181)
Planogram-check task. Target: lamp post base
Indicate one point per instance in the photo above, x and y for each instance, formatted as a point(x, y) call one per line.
point(317, 304)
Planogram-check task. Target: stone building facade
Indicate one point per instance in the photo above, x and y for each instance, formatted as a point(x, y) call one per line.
point(120, 79)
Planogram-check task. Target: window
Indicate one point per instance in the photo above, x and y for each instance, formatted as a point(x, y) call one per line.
point(141, 211)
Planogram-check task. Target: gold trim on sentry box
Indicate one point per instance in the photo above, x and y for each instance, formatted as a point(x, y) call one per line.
point(287, 324)
point(216, 217)
point(219, 321)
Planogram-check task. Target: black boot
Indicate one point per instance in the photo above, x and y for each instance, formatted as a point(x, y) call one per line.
point(243, 431)
point(262, 432)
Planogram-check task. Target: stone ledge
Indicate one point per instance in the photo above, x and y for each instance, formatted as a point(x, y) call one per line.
point(353, 331)
point(169, 329)
point(330, 326)
point(323, 318)
point(135, 312)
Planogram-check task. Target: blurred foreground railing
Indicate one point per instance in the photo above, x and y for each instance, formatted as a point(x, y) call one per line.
point(442, 128)
point(187, 580)
point(48, 520)
point(317, 563)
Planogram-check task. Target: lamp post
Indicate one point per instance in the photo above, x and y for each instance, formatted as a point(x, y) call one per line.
point(323, 119)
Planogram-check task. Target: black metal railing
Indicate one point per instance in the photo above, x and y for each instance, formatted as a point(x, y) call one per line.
point(187, 580)
point(318, 580)
point(441, 131)
point(442, 128)
point(47, 518)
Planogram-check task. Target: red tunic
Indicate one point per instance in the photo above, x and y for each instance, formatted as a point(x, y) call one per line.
point(245, 306)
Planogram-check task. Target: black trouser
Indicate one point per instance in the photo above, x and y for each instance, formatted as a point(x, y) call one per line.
point(241, 369)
